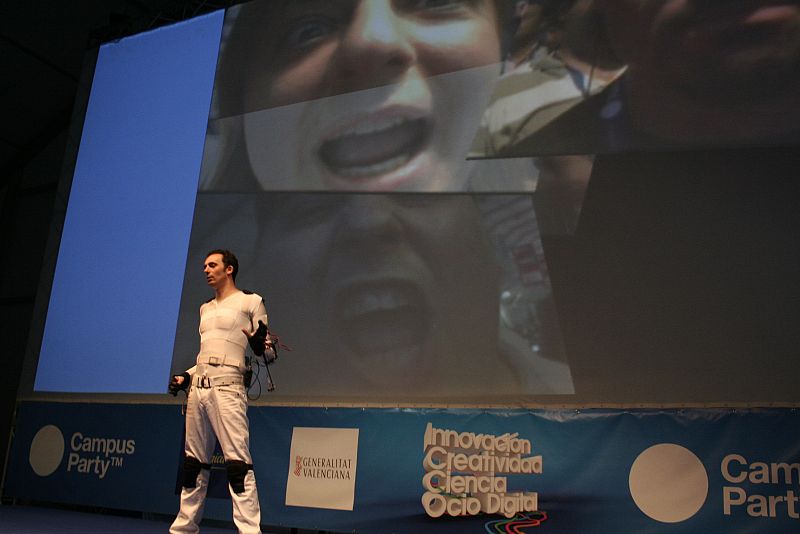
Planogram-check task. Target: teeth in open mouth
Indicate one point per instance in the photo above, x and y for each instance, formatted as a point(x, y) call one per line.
point(378, 322)
point(378, 168)
point(375, 302)
point(370, 127)
point(374, 148)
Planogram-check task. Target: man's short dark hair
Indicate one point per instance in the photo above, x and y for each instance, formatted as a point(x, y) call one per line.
point(228, 259)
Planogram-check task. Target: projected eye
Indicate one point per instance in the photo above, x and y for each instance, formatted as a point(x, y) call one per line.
point(308, 31)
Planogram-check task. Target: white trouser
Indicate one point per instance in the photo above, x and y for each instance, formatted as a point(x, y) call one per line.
point(220, 411)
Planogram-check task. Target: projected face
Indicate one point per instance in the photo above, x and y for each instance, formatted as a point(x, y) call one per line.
point(383, 294)
point(731, 49)
point(371, 94)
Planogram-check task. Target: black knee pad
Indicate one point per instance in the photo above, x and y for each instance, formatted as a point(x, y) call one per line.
point(237, 470)
point(191, 468)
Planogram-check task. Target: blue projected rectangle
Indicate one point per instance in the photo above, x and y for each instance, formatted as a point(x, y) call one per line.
point(116, 291)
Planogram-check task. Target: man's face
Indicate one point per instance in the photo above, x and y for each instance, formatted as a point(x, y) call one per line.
point(382, 294)
point(371, 95)
point(215, 270)
point(723, 49)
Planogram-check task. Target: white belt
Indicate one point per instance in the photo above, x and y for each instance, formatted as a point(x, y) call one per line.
point(221, 360)
point(206, 382)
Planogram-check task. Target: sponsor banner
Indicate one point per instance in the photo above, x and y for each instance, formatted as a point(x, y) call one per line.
point(109, 455)
point(322, 468)
point(437, 470)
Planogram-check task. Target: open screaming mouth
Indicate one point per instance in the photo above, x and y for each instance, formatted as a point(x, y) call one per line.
point(372, 149)
point(386, 321)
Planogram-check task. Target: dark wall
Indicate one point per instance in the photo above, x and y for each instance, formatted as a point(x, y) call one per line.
point(681, 284)
point(25, 225)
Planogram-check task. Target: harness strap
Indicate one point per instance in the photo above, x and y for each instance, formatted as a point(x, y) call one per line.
point(206, 382)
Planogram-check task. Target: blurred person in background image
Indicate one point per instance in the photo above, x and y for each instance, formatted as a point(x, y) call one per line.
point(699, 73)
point(525, 39)
point(568, 61)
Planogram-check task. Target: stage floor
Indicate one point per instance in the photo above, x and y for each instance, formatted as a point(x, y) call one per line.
point(19, 519)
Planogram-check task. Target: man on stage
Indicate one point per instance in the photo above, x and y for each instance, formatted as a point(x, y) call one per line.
point(217, 397)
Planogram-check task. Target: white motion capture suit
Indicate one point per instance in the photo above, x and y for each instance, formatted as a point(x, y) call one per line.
point(217, 405)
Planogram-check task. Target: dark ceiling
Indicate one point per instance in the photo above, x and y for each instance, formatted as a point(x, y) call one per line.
point(43, 45)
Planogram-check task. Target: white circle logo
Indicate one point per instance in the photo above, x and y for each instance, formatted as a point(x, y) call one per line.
point(668, 483)
point(47, 450)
